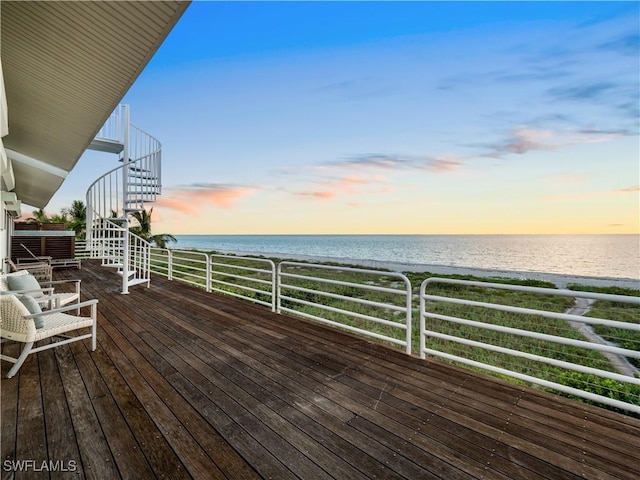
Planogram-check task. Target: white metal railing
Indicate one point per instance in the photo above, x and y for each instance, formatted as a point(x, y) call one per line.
point(81, 250)
point(447, 331)
point(219, 273)
point(300, 284)
point(113, 128)
point(250, 283)
point(184, 265)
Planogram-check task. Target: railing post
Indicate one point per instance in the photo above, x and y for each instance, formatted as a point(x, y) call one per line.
point(273, 286)
point(278, 291)
point(423, 325)
point(408, 318)
point(207, 282)
point(125, 194)
point(169, 264)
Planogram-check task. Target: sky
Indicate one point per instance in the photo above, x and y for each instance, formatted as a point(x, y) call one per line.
point(392, 118)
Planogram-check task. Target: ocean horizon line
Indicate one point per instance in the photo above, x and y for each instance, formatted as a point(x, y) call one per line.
point(398, 234)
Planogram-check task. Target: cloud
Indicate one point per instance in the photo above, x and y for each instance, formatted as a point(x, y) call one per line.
point(635, 188)
point(628, 44)
point(190, 199)
point(523, 140)
point(348, 185)
point(442, 165)
point(370, 160)
point(318, 194)
point(593, 91)
point(397, 162)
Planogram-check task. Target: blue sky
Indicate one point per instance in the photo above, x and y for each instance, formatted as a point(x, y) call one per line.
point(392, 117)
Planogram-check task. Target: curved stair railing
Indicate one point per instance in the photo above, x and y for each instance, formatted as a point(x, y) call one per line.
point(120, 192)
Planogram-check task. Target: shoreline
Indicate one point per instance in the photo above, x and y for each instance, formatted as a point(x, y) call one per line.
point(560, 280)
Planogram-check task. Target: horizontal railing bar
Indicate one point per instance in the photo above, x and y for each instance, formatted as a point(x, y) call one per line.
point(249, 279)
point(238, 295)
point(537, 335)
point(345, 284)
point(343, 297)
point(542, 290)
point(539, 381)
point(531, 311)
point(362, 316)
point(346, 327)
point(243, 287)
point(532, 356)
point(240, 267)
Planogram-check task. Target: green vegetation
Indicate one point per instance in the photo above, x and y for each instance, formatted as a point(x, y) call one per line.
point(341, 298)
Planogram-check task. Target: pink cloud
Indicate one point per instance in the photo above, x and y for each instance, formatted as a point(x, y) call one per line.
point(439, 165)
point(635, 188)
point(350, 185)
point(192, 198)
point(322, 195)
point(523, 140)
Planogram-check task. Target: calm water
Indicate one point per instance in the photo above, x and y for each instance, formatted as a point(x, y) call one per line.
point(615, 256)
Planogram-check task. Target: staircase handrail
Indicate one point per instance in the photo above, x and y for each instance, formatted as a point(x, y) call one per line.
point(123, 189)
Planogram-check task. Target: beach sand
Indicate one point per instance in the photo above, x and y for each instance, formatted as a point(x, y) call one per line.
point(561, 281)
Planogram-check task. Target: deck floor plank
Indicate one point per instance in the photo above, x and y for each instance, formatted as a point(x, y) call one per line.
point(187, 384)
point(9, 415)
point(95, 454)
point(159, 454)
point(124, 447)
point(58, 423)
point(31, 441)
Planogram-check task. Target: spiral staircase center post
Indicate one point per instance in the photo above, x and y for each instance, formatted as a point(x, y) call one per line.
point(125, 212)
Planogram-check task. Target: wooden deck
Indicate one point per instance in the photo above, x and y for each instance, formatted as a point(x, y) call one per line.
point(186, 384)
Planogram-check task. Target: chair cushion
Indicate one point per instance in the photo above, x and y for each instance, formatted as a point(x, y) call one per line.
point(31, 304)
point(25, 282)
point(3, 278)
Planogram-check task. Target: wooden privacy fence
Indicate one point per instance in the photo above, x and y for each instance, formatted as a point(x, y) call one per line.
point(42, 239)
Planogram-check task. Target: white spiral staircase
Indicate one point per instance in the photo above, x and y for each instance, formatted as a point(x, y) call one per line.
point(121, 191)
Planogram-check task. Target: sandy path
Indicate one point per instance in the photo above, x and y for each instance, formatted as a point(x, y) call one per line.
point(581, 307)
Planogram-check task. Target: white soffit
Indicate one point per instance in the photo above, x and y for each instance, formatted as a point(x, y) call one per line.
point(66, 66)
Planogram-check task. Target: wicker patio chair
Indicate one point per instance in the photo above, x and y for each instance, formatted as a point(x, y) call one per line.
point(18, 325)
point(49, 296)
point(41, 270)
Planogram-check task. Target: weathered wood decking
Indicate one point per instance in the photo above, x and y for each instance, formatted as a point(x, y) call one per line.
point(186, 384)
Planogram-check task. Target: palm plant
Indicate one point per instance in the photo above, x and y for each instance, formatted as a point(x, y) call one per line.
point(58, 218)
point(78, 222)
point(38, 216)
point(143, 229)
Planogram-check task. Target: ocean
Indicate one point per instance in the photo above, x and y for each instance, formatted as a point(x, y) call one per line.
point(606, 256)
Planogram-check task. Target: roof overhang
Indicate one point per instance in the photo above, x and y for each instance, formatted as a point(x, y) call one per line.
point(66, 67)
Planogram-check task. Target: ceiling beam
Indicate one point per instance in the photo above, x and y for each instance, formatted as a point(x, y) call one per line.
point(35, 163)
